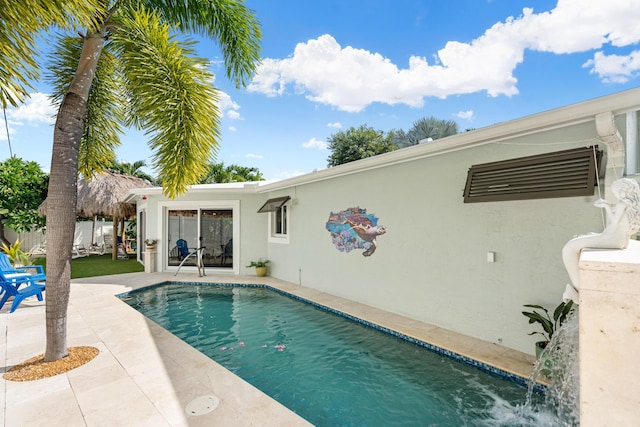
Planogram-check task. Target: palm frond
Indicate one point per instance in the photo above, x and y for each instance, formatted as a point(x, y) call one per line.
point(104, 115)
point(233, 25)
point(171, 97)
point(22, 22)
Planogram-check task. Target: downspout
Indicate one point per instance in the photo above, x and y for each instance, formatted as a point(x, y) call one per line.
point(608, 133)
point(632, 143)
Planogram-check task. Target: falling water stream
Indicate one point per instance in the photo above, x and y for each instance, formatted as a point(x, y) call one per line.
point(559, 407)
point(559, 362)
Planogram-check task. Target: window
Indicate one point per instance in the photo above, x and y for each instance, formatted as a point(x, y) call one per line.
point(561, 174)
point(280, 221)
point(278, 209)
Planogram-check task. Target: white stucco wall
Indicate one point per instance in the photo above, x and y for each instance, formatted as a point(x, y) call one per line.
point(250, 242)
point(431, 264)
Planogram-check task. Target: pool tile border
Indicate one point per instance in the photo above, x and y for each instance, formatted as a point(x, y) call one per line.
point(492, 370)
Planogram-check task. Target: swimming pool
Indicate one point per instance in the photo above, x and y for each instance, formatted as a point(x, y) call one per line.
point(325, 367)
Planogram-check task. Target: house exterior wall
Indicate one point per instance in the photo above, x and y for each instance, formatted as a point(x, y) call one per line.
point(250, 242)
point(431, 265)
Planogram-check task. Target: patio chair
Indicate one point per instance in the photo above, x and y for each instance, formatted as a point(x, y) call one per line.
point(227, 252)
point(12, 289)
point(11, 280)
point(107, 240)
point(79, 251)
point(7, 268)
point(183, 248)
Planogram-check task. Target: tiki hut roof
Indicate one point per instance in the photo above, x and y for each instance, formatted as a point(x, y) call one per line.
point(103, 195)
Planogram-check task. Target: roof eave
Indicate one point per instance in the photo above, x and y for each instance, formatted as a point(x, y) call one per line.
point(552, 119)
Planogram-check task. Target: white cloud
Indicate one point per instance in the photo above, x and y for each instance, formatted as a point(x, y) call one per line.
point(228, 107)
point(286, 175)
point(465, 115)
point(615, 68)
point(315, 143)
point(3, 132)
point(232, 128)
point(38, 108)
point(336, 125)
point(351, 79)
point(254, 156)
point(232, 114)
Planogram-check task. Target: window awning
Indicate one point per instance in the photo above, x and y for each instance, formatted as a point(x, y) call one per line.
point(273, 205)
point(567, 173)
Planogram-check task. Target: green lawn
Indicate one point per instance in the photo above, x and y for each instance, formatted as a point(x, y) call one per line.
point(98, 265)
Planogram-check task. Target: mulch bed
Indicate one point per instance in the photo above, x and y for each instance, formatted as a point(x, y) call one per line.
point(36, 368)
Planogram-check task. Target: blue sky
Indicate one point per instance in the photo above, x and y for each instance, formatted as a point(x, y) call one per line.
point(332, 64)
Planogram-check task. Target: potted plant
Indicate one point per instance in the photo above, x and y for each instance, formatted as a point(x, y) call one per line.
point(16, 255)
point(150, 244)
point(261, 267)
point(549, 325)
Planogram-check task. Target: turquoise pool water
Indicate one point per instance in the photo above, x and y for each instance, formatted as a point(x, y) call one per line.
point(329, 369)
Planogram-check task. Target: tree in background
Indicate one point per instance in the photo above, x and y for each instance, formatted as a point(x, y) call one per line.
point(219, 173)
point(427, 128)
point(355, 144)
point(23, 187)
point(132, 169)
point(128, 54)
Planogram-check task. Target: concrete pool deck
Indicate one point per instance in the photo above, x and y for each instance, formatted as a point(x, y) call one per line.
point(145, 376)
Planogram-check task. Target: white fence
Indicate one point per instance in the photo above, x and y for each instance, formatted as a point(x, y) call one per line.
point(37, 239)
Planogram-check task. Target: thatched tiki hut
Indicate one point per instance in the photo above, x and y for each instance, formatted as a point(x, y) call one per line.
point(102, 195)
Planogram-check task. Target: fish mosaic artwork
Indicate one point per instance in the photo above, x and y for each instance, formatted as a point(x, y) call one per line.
point(354, 228)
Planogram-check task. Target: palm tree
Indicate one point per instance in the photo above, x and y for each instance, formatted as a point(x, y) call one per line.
point(425, 129)
point(131, 50)
point(132, 169)
point(219, 173)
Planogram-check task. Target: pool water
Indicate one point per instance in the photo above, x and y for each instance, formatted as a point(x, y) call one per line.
point(326, 368)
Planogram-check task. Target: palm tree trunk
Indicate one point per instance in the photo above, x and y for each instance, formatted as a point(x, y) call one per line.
point(93, 230)
point(62, 197)
point(3, 238)
point(114, 246)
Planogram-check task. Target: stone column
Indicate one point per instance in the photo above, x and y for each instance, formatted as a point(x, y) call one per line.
point(609, 317)
point(149, 261)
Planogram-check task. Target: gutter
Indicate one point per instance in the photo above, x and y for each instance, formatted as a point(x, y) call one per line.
point(610, 136)
point(619, 103)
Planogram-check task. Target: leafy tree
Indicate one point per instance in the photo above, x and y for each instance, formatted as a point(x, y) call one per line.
point(424, 129)
point(355, 144)
point(132, 169)
point(219, 173)
point(23, 187)
point(131, 49)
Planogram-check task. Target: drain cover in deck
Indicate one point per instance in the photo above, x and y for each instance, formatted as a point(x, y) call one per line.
point(202, 405)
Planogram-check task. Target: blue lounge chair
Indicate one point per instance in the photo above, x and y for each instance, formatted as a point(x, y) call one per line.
point(183, 248)
point(12, 290)
point(6, 267)
point(11, 280)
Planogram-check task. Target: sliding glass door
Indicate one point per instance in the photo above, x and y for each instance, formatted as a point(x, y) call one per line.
point(216, 232)
point(189, 229)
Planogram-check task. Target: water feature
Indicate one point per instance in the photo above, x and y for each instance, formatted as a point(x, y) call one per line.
point(559, 362)
point(331, 370)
